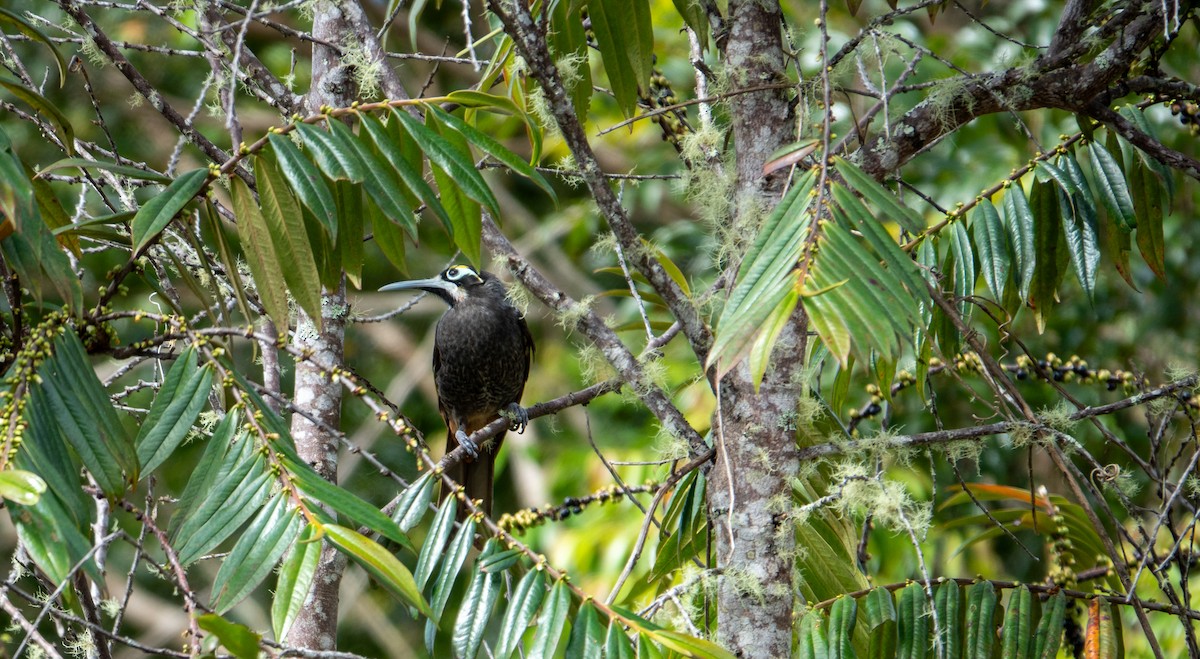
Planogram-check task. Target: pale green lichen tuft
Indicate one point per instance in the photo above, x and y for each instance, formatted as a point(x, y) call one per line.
point(368, 70)
point(1058, 418)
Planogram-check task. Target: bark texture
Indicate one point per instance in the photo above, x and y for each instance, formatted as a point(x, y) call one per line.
point(750, 487)
point(332, 85)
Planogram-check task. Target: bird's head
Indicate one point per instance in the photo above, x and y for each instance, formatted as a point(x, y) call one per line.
point(456, 284)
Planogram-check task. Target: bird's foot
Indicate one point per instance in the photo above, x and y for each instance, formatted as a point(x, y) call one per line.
point(467, 445)
point(518, 417)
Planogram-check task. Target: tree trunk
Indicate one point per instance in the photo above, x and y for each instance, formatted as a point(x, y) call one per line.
point(750, 492)
point(332, 85)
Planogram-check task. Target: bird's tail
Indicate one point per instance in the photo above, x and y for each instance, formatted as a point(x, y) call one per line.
point(476, 476)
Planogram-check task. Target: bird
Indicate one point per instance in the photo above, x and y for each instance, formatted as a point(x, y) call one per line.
point(482, 353)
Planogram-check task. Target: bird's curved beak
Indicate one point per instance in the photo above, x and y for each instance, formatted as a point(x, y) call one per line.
point(436, 285)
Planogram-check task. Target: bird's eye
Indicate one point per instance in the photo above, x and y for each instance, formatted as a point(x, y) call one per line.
point(458, 273)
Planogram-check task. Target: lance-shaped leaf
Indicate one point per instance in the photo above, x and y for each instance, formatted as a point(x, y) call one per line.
point(1018, 627)
point(444, 155)
point(913, 622)
point(991, 245)
point(625, 37)
point(380, 564)
point(414, 502)
point(234, 495)
point(444, 584)
point(811, 639)
point(1148, 194)
point(964, 267)
point(477, 604)
point(1049, 632)
point(1079, 227)
point(254, 556)
point(46, 533)
point(616, 642)
point(435, 541)
point(156, 214)
point(124, 171)
point(77, 402)
point(587, 634)
point(551, 622)
point(522, 606)
point(981, 606)
point(689, 646)
point(182, 395)
point(260, 254)
point(285, 223)
point(379, 179)
point(295, 578)
point(387, 142)
point(948, 604)
point(765, 276)
point(494, 149)
point(342, 501)
point(1102, 636)
point(1044, 205)
point(886, 202)
point(1018, 220)
point(842, 618)
point(880, 623)
point(1114, 192)
point(239, 639)
point(35, 34)
point(307, 182)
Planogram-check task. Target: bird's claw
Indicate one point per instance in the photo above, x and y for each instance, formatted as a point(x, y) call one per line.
point(518, 417)
point(467, 445)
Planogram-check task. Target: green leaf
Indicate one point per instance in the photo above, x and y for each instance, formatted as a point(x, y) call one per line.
point(20, 486)
point(306, 181)
point(811, 641)
point(46, 532)
point(1044, 205)
point(336, 158)
point(948, 604)
point(991, 245)
point(124, 171)
point(215, 461)
point(522, 606)
point(76, 400)
point(616, 642)
point(1018, 627)
point(476, 609)
point(285, 224)
point(240, 640)
point(624, 36)
point(35, 34)
point(856, 217)
point(455, 557)
point(881, 623)
point(235, 494)
point(260, 254)
point(1018, 220)
point(913, 622)
point(435, 541)
point(444, 155)
point(1049, 632)
point(696, 18)
point(494, 149)
point(295, 578)
point(842, 617)
point(765, 276)
point(66, 132)
point(689, 646)
point(353, 202)
point(500, 561)
point(384, 142)
point(183, 393)
point(1079, 227)
point(887, 203)
point(257, 551)
point(414, 502)
point(551, 623)
point(345, 502)
point(380, 181)
point(1148, 194)
point(388, 237)
point(587, 634)
point(380, 564)
point(764, 343)
point(981, 607)
point(466, 222)
point(1114, 192)
point(156, 214)
point(964, 267)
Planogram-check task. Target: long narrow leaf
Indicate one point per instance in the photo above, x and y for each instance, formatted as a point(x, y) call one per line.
point(522, 606)
point(260, 254)
point(254, 556)
point(476, 609)
point(306, 181)
point(156, 214)
point(384, 567)
point(285, 224)
point(295, 578)
point(551, 622)
point(182, 395)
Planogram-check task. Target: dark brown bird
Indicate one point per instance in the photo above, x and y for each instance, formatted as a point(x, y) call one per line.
point(481, 356)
